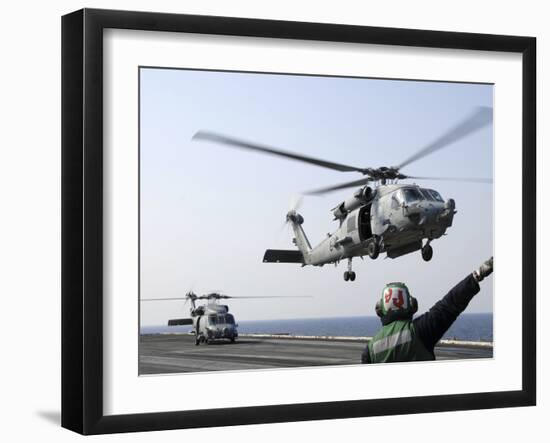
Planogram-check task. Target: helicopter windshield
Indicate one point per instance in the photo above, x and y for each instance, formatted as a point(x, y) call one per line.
point(435, 195)
point(427, 194)
point(411, 195)
point(432, 195)
point(221, 319)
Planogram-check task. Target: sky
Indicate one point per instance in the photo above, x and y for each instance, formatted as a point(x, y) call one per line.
point(208, 212)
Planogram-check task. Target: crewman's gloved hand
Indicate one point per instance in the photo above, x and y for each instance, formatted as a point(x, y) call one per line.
point(484, 270)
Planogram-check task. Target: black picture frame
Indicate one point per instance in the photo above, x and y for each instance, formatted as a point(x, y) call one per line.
point(82, 218)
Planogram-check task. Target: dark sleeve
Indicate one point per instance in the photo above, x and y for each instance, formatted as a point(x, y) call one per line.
point(431, 326)
point(365, 357)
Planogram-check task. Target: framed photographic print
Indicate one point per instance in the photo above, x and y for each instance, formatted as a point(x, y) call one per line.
point(260, 216)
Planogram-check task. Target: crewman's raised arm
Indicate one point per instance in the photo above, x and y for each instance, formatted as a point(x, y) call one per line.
point(431, 326)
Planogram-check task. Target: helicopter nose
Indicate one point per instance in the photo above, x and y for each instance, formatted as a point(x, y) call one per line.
point(450, 204)
point(426, 214)
point(447, 212)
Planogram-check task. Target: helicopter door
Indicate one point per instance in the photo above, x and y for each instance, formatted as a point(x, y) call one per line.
point(365, 231)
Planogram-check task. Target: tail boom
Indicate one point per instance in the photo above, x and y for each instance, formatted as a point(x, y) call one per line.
point(300, 238)
point(302, 255)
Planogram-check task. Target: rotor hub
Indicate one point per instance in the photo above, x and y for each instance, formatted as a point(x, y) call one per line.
point(383, 173)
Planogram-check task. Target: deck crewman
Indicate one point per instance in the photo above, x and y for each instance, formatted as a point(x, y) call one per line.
point(403, 338)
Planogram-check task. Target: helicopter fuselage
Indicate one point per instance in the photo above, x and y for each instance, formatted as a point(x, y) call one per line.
point(399, 217)
point(213, 322)
point(395, 219)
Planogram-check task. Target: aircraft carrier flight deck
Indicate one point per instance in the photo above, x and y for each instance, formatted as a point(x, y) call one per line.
point(176, 353)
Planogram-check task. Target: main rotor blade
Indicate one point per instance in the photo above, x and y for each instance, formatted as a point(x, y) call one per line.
point(273, 296)
point(456, 179)
point(217, 138)
point(163, 299)
point(362, 181)
point(257, 296)
point(212, 296)
point(208, 297)
point(481, 117)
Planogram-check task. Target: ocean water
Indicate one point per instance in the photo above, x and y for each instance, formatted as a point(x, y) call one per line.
point(474, 327)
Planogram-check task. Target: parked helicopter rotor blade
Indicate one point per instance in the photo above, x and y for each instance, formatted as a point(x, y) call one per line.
point(480, 118)
point(188, 296)
point(360, 182)
point(164, 299)
point(456, 179)
point(230, 141)
point(223, 296)
point(270, 296)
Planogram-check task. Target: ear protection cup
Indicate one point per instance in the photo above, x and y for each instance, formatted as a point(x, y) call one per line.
point(414, 304)
point(378, 309)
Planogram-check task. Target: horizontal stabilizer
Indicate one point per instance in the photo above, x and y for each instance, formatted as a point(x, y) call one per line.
point(283, 256)
point(180, 322)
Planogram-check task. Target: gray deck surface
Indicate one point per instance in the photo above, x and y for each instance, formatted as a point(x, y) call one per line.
point(162, 354)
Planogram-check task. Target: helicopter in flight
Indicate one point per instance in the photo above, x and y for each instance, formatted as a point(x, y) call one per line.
point(211, 321)
point(383, 215)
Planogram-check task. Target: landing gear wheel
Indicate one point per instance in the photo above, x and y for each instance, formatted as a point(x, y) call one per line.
point(232, 339)
point(197, 341)
point(427, 253)
point(373, 249)
point(349, 276)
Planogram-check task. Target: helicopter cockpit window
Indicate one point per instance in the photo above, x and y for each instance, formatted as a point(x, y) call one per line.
point(411, 195)
point(212, 320)
point(435, 195)
point(229, 319)
point(427, 194)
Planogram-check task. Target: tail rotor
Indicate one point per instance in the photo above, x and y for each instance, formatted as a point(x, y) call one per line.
point(295, 203)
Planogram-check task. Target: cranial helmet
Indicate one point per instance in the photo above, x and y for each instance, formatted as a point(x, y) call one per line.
point(396, 302)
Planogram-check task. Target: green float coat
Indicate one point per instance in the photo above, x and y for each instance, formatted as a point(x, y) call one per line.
point(397, 342)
